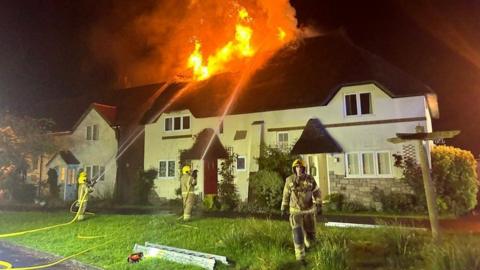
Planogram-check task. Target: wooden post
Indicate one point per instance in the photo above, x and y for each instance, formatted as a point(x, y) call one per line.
point(429, 192)
point(421, 137)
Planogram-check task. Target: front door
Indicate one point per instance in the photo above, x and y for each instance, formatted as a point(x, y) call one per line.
point(210, 176)
point(317, 167)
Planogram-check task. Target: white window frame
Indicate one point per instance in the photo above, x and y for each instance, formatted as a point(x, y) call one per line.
point(359, 104)
point(245, 163)
point(167, 162)
point(172, 118)
point(375, 165)
point(100, 170)
point(91, 131)
point(389, 164)
point(279, 144)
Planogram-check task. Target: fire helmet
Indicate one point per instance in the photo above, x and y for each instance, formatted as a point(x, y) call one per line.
point(297, 162)
point(186, 169)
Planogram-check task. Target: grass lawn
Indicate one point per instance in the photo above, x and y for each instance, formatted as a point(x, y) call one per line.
point(250, 243)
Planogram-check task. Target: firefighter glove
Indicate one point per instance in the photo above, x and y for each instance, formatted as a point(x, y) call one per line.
point(319, 209)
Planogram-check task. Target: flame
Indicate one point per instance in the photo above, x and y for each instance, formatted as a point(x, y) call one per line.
point(239, 48)
point(281, 34)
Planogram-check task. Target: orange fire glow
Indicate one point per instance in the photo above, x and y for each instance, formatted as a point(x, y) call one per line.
point(239, 47)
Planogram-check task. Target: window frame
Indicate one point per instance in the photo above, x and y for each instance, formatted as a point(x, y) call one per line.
point(279, 144)
point(172, 123)
point(375, 165)
point(358, 104)
point(244, 163)
point(389, 154)
point(167, 167)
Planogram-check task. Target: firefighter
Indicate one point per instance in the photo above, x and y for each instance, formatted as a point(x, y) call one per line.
point(188, 181)
point(301, 197)
point(83, 191)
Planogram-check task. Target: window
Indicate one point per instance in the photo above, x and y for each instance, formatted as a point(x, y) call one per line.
point(166, 169)
point(186, 122)
point(368, 164)
point(95, 172)
point(177, 123)
point(92, 133)
point(241, 163)
point(168, 124)
point(282, 140)
point(352, 164)
point(383, 163)
point(351, 104)
point(358, 104)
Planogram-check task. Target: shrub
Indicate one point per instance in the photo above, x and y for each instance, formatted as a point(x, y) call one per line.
point(144, 185)
point(336, 201)
point(210, 202)
point(455, 178)
point(353, 206)
point(19, 190)
point(227, 190)
point(395, 201)
point(275, 160)
point(267, 188)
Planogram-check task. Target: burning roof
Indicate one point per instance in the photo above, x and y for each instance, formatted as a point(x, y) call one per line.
point(302, 74)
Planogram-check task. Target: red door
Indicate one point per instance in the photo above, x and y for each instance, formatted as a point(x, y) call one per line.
point(210, 176)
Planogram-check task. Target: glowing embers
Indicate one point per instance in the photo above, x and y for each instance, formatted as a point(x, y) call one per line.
point(240, 47)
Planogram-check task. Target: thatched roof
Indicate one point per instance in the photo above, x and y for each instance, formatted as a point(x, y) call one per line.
point(215, 151)
point(315, 139)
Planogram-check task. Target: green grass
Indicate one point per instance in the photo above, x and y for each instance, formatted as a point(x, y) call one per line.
point(251, 243)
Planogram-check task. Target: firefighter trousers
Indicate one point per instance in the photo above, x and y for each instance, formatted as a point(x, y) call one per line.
point(188, 201)
point(82, 192)
point(303, 232)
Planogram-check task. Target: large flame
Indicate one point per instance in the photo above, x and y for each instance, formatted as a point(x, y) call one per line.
point(240, 47)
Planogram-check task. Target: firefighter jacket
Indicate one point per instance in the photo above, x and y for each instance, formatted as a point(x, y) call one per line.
point(82, 178)
point(187, 182)
point(301, 193)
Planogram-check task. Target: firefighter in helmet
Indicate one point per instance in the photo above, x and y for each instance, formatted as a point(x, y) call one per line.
point(188, 181)
point(83, 191)
point(301, 197)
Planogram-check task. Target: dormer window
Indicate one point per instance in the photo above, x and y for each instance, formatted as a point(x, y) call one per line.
point(176, 123)
point(358, 104)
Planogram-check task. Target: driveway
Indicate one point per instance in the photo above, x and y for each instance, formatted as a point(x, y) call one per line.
point(19, 256)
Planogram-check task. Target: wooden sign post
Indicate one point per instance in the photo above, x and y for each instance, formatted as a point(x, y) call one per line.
point(422, 138)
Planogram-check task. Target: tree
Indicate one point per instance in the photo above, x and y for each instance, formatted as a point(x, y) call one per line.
point(22, 139)
point(227, 190)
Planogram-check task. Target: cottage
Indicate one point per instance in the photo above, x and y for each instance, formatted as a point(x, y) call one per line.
point(324, 98)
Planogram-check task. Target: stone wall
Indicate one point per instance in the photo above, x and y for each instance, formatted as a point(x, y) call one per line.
point(360, 189)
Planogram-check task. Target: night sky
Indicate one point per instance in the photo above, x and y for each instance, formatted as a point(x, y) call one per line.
point(46, 51)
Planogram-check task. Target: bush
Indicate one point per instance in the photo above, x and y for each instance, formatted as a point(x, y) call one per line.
point(353, 206)
point(455, 178)
point(275, 160)
point(143, 186)
point(210, 202)
point(395, 201)
point(19, 190)
point(267, 188)
point(227, 190)
point(335, 201)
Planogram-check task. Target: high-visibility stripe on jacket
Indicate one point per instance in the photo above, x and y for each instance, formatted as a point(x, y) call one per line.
point(300, 194)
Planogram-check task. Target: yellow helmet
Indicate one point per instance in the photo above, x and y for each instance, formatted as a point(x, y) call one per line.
point(83, 174)
point(186, 169)
point(298, 162)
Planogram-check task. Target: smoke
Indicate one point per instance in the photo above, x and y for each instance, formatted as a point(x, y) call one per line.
point(151, 42)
